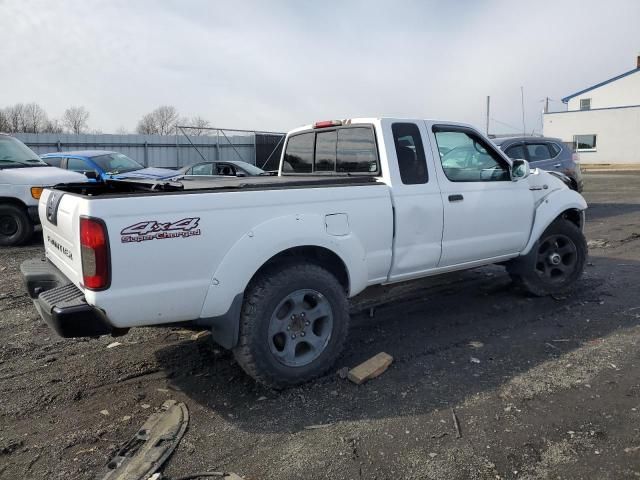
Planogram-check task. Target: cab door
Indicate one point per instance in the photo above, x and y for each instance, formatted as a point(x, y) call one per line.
point(486, 214)
point(416, 200)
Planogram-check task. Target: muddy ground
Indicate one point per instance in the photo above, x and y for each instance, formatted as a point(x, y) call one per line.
point(553, 390)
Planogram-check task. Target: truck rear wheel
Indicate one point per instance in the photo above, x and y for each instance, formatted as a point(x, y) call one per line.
point(555, 262)
point(293, 326)
point(15, 226)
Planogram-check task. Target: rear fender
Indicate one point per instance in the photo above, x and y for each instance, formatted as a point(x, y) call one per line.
point(550, 208)
point(270, 238)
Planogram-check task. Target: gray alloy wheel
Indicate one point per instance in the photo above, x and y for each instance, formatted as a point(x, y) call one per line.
point(557, 258)
point(300, 328)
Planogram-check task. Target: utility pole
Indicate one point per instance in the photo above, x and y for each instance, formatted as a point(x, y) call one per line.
point(488, 106)
point(546, 105)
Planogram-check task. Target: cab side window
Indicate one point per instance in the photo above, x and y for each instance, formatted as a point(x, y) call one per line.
point(201, 169)
point(538, 152)
point(54, 161)
point(516, 152)
point(468, 157)
point(78, 165)
point(410, 152)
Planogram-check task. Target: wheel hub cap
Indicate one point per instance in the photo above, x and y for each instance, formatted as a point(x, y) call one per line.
point(555, 259)
point(300, 328)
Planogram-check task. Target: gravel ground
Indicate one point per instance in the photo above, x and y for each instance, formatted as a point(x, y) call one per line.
point(542, 387)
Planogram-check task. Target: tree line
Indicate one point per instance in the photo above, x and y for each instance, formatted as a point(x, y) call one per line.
point(33, 118)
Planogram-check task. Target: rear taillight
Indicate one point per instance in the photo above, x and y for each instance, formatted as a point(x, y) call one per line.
point(94, 249)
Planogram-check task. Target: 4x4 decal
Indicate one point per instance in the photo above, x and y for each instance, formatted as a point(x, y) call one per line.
point(153, 230)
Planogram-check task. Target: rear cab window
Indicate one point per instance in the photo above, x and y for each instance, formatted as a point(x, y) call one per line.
point(339, 150)
point(412, 162)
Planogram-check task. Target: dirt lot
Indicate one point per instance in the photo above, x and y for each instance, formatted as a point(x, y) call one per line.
point(542, 387)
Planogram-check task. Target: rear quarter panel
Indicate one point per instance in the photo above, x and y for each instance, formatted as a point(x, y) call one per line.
point(165, 280)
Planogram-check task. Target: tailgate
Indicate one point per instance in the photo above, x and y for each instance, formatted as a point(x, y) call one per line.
point(60, 217)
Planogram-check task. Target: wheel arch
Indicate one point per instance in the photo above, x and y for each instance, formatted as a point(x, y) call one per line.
point(13, 201)
point(563, 203)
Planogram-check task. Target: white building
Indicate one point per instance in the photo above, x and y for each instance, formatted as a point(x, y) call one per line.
point(602, 121)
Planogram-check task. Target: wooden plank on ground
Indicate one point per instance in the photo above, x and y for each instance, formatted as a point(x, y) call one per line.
point(373, 367)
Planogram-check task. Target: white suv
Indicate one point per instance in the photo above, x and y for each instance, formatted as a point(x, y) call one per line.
point(23, 176)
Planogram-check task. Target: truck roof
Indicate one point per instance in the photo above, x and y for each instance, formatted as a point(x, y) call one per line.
point(377, 120)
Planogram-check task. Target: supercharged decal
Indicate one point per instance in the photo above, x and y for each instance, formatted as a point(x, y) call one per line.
point(152, 230)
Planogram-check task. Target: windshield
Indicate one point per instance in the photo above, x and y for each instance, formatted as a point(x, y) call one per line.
point(15, 154)
point(113, 163)
point(250, 169)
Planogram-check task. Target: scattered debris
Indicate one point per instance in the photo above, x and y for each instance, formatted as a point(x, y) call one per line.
point(372, 312)
point(152, 444)
point(316, 427)
point(598, 243)
point(433, 455)
point(343, 372)
point(476, 344)
point(104, 412)
point(551, 346)
point(201, 334)
point(456, 423)
point(261, 399)
point(632, 449)
point(11, 447)
point(114, 344)
point(474, 360)
point(145, 405)
point(372, 368)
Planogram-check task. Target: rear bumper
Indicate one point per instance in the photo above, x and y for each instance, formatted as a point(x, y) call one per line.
point(60, 303)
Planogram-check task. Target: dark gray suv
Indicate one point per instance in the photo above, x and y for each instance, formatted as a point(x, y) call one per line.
point(546, 153)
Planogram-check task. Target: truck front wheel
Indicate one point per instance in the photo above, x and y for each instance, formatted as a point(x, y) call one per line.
point(555, 263)
point(15, 226)
point(294, 322)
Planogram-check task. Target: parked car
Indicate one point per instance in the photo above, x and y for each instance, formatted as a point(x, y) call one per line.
point(550, 154)
point(221, 169)
point(268, 263)
point(23, 176)
point(101, 165)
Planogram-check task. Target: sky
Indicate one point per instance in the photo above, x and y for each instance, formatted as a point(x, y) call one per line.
point(275, 65)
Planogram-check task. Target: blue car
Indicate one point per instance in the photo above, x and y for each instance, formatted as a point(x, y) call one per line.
point(101, 165)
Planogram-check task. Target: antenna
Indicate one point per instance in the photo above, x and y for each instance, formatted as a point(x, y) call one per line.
point(488, 106)
point(524, 128)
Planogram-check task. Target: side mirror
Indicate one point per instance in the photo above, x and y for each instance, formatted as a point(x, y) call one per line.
point(240, 174)
point(519, 169)
point(91, 174)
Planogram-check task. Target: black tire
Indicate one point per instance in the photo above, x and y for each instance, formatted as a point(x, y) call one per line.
point(16, 227)
point(555, 263)
point(266, 301)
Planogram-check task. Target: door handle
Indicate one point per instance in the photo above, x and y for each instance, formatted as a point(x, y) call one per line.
point(558, 165)
point(456, 198)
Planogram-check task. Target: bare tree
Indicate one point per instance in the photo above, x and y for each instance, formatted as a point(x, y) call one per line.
point(162, 121)
point(122, 130)
point(35, 118)
point(197, 125)
point(4, 121)
point(54, 126)
point(75, 119)
point(15, 117)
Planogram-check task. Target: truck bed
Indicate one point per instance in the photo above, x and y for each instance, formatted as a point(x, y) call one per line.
point(150, 187)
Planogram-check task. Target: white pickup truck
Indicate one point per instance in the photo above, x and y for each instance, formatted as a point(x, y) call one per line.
point(23, 176)
point(268, 263)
